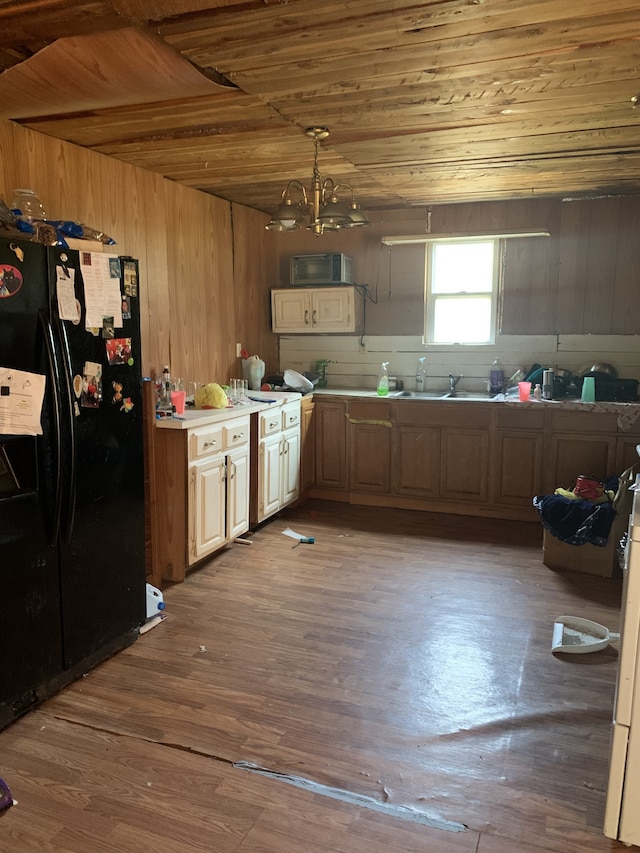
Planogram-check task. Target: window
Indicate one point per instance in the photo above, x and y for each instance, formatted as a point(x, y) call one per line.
point(461, 291)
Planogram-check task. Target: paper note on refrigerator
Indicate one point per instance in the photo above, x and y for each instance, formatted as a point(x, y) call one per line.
point(21, 396)
point(68, 305)
point(102, 297)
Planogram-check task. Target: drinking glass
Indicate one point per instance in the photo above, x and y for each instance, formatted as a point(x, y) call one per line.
point(524, 391)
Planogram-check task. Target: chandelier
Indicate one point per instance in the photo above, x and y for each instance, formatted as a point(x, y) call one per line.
point(320, 209)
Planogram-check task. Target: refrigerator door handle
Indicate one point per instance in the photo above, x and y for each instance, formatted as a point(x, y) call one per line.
point(67, 396)
point(57, 436)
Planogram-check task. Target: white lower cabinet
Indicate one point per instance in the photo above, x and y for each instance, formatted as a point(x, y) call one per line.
point(277, 468)
point(218, 499)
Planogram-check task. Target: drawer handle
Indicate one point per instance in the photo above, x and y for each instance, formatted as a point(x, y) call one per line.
point(273, 424)
point(314, 317)
point(306, 318)
point(237, 436)
point(293, 419)
point(209, 443)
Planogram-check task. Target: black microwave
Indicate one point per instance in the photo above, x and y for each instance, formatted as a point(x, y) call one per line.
point(314, 270)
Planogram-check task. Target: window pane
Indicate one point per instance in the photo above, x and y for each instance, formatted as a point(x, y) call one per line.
point(462, 267)
point(462, 320)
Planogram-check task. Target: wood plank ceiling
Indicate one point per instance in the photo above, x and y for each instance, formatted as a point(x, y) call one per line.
point(427, 102)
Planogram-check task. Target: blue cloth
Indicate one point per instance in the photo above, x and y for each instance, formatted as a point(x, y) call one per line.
point(575, 522)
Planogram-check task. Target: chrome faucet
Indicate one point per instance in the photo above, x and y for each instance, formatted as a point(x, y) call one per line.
point(453, 381)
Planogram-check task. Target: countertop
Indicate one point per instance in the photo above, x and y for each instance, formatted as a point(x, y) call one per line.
point(627, 413)
point(203, 417)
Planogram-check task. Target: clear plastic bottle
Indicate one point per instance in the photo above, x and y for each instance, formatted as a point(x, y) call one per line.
point(421, 374)
point(165, 388)
point(29, 205)
point(496, 377)
point(383, 379)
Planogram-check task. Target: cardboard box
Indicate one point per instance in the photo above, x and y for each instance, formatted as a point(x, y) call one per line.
point(592, 559)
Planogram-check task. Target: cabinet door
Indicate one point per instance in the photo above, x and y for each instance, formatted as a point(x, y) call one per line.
point(370, 458)
point(516, 462)
point(237, 492)
point(291, 310)
point(206, 507)
point(572, 455)
point(331, 452)
point(417, 461)
point(307, 445)
point(464, 464)
point(333, 309)
point(290, 475)
point(270, 462)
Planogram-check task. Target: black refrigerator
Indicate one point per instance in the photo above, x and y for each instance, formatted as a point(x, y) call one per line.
point(72, 523)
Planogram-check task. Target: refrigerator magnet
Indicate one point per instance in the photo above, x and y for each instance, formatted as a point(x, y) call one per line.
point(77, 385)
point(108, 327)
point(118, 350)
point(126, 308)
point(127, 405)
point(17, 251)
point(10, 280)
point(91, 385)
point(130, 279)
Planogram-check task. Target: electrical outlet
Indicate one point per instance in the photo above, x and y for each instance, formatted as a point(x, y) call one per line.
point(238, 350)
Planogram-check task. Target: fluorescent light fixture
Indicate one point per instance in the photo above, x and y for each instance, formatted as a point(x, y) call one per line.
point(403, 240)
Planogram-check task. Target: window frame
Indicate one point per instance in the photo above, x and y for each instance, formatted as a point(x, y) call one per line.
point(494, 296)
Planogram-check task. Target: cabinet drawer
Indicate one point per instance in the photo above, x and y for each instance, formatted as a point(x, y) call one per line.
point(205, 441)
point(235, 433)
point(291, 416)
point(511, 418)
point(270, 422)
point(597, 422)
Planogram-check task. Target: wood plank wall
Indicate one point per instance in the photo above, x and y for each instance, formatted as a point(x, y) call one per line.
point(196, 261)
point(207, 265)
point(582, 280)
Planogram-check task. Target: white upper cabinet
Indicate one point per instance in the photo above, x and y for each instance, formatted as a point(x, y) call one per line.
point(332, 310)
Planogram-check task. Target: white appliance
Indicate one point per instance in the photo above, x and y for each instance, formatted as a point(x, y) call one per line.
point(622, 812)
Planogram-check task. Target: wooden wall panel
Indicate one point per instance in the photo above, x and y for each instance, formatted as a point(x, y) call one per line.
point(183, 239)
point(626, 294)
point(582, 280)
point(254, 274)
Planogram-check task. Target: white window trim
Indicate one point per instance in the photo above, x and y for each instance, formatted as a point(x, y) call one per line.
point(429, 298)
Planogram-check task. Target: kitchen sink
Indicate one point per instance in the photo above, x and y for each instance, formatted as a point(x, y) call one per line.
point(418, 395)
point(433, 395)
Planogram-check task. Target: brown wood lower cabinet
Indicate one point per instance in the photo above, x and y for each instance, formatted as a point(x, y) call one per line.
point(471, 458)
point(516, 457)
point(307, 445)
point(464, 465)
point(330, 418)
point(416, 461)
point(369, 446)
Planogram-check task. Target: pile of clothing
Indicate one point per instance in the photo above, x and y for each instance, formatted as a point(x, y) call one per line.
point(582, 514)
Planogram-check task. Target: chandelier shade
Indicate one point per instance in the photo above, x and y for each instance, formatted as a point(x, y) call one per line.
point(321, 208)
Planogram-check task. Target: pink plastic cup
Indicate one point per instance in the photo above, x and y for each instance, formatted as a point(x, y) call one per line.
point(178, 399)
point(524, 391)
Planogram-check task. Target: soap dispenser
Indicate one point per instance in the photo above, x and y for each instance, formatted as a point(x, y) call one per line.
point(383, 380)
point(421, 374)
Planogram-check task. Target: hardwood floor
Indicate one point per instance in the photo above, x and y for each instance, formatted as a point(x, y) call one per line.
point(404, 657)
